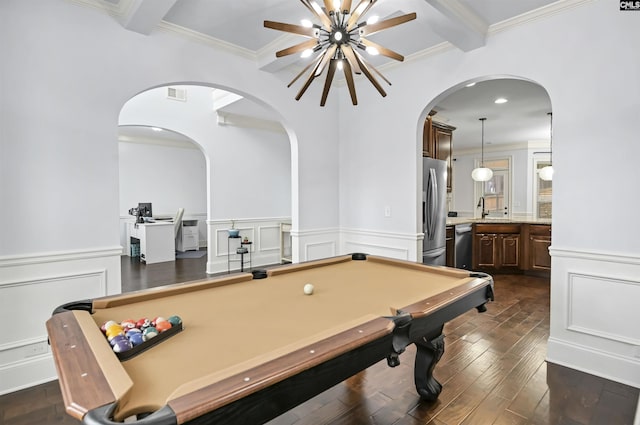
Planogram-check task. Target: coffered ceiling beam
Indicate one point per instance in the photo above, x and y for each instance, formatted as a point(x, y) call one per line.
point(145, 15)
point(457, 24)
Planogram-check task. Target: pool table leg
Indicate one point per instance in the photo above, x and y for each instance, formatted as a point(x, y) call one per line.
point(428, 354)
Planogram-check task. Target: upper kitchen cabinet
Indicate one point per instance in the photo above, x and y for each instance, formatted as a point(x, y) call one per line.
point(437, 143)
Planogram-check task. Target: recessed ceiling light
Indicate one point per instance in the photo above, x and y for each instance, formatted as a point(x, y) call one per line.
point(156, 129)
point(470, 85)
point(500, 100)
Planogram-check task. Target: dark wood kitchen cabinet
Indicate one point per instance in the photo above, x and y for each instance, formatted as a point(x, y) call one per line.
point(497, 246)
point(538, 242)
point(450, 246)
point(437, 140)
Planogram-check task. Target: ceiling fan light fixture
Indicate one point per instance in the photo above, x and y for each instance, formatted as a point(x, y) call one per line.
point(306, 23)
point(334, 42)
point(373, 20)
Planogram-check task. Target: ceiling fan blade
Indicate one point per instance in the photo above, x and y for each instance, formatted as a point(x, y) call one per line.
point(370, 76)
point(309, 44)
point(328, 55)
point(383, 25)
point(316, 10)
point(306, 68)
point(327, 83)
point(371, 67)
point(352, 86)
point(360, 10)
point(346, 6)
point(348, 52)
point(311, 77)
point(383, 50)
point(295, 29)
point(328, 5)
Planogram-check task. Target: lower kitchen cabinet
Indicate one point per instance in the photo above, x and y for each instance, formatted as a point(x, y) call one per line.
point(496, 246)
point(450, 246)
point(512, 247)
point(539, 241)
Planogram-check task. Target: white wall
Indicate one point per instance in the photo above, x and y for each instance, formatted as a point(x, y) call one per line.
point(62, 93)
point(67, 71)
point(590, 77)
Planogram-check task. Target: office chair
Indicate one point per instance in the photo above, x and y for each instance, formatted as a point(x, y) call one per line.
point(177, 222)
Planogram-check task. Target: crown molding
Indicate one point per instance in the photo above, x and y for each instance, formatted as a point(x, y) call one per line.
point(208, 40)
point(503, 147)
point(541, 12)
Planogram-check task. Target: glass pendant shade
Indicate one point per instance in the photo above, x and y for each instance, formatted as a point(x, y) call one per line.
point(482, 174)
point(546, 173)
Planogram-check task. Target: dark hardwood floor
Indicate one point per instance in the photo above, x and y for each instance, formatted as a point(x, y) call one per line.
point(493, 371)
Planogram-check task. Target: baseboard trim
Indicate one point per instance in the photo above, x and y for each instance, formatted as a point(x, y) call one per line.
point(594, 362)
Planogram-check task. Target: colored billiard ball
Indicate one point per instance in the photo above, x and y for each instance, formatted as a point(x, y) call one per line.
point(149, 333)
point(143, 323)
point(136, 338)
point(163, 325)
point(174, 320)
point(113, 341)
point(133, 331)
point(308, 289)
point(106, 324)
point(122, 345)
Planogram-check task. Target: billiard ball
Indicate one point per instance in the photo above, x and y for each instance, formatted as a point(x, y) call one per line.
point(308, 289)
point(122, 345)
point(163, 325)
point(113, 341)
point(174, 320)
point(136, 338)
point(149, 333)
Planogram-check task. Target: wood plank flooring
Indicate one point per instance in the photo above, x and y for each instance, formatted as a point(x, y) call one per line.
point(493, 372)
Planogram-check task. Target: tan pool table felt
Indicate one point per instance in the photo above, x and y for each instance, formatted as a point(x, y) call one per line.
point(237, 326)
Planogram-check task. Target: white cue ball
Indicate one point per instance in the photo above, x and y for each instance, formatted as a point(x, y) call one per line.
point(308, 289)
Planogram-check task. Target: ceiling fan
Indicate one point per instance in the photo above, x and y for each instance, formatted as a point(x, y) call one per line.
point(338, 38)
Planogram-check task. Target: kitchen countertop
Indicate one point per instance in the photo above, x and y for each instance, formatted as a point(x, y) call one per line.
point(452, 221)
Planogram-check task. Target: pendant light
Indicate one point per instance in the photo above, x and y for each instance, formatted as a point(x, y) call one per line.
point(482, 174)
point(546, 173)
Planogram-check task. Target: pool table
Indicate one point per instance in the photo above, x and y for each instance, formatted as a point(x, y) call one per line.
point(254, 345)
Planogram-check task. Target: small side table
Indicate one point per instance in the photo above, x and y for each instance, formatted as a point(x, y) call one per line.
point(244, 251)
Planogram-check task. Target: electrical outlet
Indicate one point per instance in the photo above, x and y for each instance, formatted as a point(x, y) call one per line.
point(387, 211)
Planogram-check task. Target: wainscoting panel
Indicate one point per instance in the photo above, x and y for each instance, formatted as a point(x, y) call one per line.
point(590, 300)
point(595, 314)
point(31, 287)
point(264, 233)
point(394, 245)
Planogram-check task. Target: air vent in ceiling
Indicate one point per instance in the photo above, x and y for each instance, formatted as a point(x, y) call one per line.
point(176, 93)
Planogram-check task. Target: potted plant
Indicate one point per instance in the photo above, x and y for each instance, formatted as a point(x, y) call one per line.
point(233, 232)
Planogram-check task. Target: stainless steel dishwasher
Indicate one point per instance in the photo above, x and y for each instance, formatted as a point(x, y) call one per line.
point(463, 245)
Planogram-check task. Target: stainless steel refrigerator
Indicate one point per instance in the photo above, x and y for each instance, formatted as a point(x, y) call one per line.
point(434, 211)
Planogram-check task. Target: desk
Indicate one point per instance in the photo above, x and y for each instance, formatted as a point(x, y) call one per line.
point(253, 348)
point(157, 241)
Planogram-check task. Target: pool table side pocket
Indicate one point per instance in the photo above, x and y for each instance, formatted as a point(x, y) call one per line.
point(81, 354)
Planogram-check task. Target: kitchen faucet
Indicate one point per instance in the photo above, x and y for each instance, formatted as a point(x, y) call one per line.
point(481, 203)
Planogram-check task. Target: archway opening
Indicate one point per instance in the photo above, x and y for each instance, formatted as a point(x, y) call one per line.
point(224, 158)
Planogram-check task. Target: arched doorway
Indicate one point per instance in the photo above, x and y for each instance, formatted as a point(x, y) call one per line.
point(516, 144)
point(246, 164)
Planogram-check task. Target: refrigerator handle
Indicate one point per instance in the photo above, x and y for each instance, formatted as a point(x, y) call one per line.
point(432, 201)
